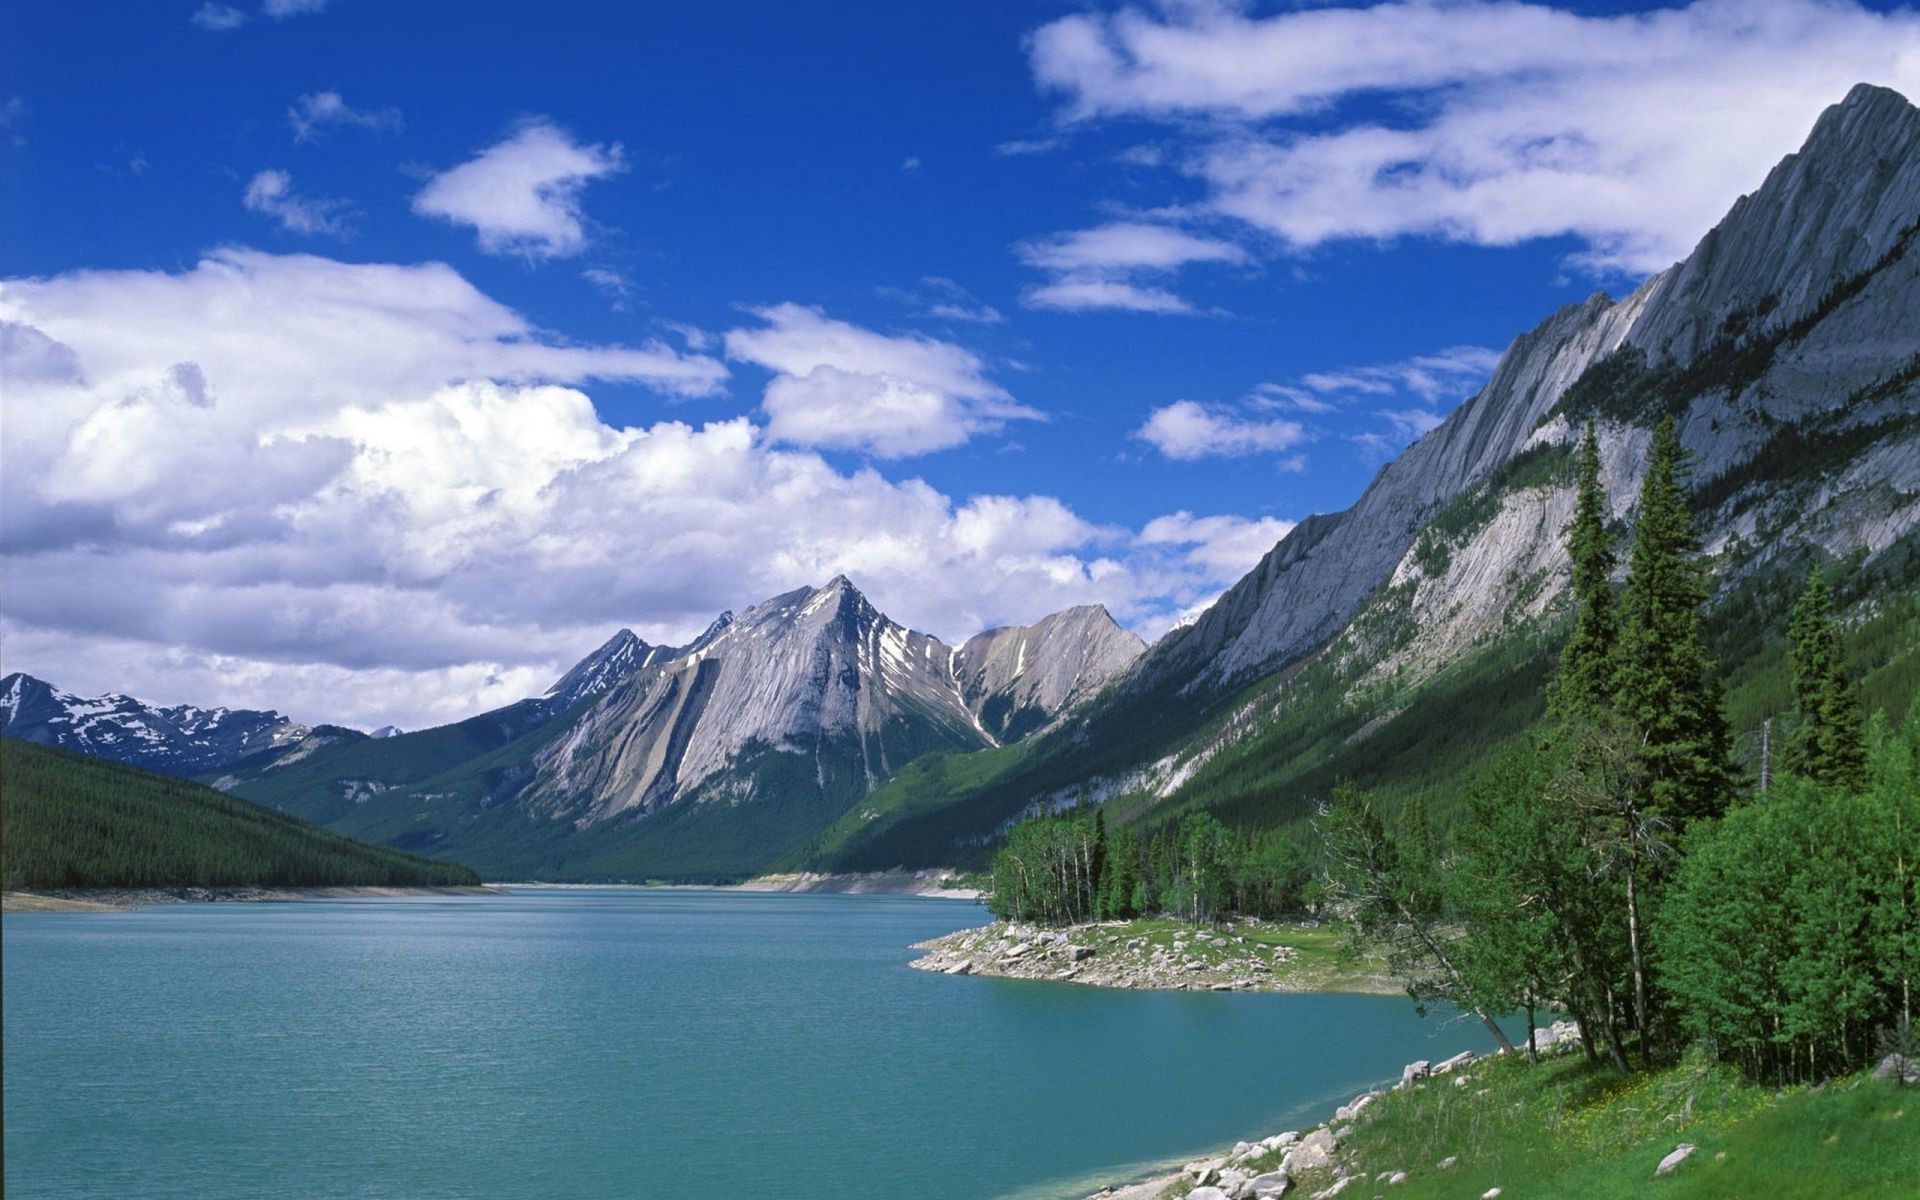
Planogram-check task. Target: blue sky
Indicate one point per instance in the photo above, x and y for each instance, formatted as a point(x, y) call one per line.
point(995, 307)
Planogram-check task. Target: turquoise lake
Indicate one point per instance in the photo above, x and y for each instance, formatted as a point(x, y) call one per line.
point(627, 1042)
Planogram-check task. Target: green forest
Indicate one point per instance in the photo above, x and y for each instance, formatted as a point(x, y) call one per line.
point(71, 821)
point(1612, 863)
point(1615, 867)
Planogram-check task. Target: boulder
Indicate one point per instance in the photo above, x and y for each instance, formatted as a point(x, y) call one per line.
point(1314, 1153)
point(1280, 1141)
point(1398, 1177)
point(1339, 1185)
point(1268, 1186)
point(1019, 950)
point(963, 967)
point(1413, 1071)
point(1206, 1193)
point(1896, 1066)
point(1244, 1150)
point(1489, 1194)
point(1078, 953)
point(1459, 1060)
point(1681, 1153)
point(1447, 1162)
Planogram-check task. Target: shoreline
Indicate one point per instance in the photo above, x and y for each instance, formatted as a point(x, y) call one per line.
point(1310, 1163)
point(1158, 954)
point(934, 884)
point(95, 900)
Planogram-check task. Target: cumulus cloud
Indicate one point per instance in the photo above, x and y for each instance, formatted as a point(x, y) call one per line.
point(838, 386)
point(1230, 545)
point(280, 10)
point(1099, 268)
point(271, 194)
point(315, 112)
point(1187, 430)
point(522, 196)
point(370, 493)
point(1508, 121)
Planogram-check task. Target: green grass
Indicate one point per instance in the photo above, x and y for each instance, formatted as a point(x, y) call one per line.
point(78, 822)
point(1566, 1129)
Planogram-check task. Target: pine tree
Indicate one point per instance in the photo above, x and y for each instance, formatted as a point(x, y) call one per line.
point(1587, 664)
point(1828, 744)
point(1666, 689)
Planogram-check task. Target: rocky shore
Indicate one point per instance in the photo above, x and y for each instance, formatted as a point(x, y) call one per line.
point(1246, 956)
point(124, 899)
point(1311, 1163)
point(945, 885)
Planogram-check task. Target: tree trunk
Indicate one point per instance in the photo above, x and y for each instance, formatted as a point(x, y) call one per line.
point(1639, 967)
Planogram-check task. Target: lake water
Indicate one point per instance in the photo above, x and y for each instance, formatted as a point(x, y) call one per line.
point(626, 1042)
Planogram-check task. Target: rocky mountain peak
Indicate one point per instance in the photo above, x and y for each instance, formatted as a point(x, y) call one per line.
point(183, 739)
point(618, 657)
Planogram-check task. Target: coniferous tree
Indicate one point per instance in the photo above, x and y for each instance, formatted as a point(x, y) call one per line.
point(1389, 906)
point(1587, 664)
point(1828, 744)
point(1666, 690)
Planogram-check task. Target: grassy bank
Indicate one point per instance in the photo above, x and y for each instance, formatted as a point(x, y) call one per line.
point(1568, 1129)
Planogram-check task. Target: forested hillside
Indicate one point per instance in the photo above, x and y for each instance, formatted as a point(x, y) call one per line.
point(71, 821)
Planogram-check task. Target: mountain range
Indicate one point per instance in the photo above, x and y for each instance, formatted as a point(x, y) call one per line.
point(1397, 643)
point(756, 734)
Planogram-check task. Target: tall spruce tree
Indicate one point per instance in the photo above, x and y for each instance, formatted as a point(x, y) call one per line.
point(1587, 664)
point(1828, 744)
point(1666, 689)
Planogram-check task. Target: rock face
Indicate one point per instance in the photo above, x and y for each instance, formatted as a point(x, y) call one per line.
point(180, 740)
point(1825, 215)
point(822, 676)
point(1017, 678)
point(621, 656)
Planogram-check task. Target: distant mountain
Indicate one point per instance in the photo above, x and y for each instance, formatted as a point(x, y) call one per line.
point(710, 759)
point(1400, 642)
point(181, 740)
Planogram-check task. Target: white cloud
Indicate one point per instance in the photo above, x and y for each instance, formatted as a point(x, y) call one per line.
point(280, 10)
point(1187, 430)
point(1098, 268)
point(1019, 147)
point(312, 114)
point(1087, 295)
point(523, 195)
point(1412, 423)
point(944, 300)
point(839, 386)
point(1230, 545)
point(1632, 133)
point(612, 284)
point(370, 493)
point(1445, 375)
point(218, 18)
point(271, 193)
point(1125, 246)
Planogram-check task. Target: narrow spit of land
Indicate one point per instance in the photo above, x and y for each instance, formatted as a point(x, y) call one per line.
point(125, 899)
point(1158, 954)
